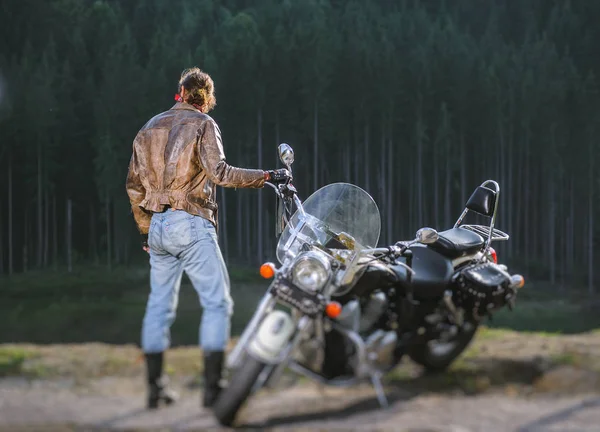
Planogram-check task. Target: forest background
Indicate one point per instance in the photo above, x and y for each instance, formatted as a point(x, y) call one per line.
point(416, 101)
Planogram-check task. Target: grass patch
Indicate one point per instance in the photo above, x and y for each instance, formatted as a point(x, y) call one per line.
point(92, 304)
point(11, 360)
point(566, 315)
point(487, 333)
point(576, 359)
point(18, 361)
point(91, 360)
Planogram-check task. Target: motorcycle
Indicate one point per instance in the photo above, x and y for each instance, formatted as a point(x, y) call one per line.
point(340, 310)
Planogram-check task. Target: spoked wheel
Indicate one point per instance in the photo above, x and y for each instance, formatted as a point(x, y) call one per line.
point(436, 356)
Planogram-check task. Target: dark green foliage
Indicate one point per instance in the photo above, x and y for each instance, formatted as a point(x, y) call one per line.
point(416, 101)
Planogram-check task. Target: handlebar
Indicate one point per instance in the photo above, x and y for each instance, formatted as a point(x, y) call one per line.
point(397, 249)
point(389, 250)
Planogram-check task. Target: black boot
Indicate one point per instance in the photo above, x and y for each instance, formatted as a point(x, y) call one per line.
point(157, 383)
point(213, 368)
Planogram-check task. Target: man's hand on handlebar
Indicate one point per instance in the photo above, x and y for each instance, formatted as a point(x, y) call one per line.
point(280, 176)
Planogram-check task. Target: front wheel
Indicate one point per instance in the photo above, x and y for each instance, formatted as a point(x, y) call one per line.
point(436, 356)
point(240, 386)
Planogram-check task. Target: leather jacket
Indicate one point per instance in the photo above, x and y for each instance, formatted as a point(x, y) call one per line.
point(178, 161)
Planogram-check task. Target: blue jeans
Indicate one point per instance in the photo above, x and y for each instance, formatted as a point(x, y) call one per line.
point(182, 242)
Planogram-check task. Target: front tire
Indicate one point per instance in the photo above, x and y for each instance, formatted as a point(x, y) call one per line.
point(436, 356)
point(240, 386)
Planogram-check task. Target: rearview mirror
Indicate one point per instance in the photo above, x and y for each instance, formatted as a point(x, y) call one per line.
point(427, 235)
point(286, 154)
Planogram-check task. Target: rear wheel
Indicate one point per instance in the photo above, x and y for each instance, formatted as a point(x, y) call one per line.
point(240, 386)
point(436, 356)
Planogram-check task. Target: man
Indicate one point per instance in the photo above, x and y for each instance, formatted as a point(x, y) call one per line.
point(177, 163)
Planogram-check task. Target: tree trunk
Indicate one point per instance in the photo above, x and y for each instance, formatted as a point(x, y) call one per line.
point(26, 241)
point(55, 235)
point(552, 233)
point(390, 191)
point(347, 171)
point(367, 159)
point(259, 244)
point(247, 228)
point(535, 214)
point(502, 172)
point(1, 247)
point(46, 227)
point(509, 206)
point(10, 220)
point(436, 192)
point(356, 156)
point(239, 228)
point(108, 231)
point(447, 180)
point(316, 146)
point(382, 173)
point(591, 222)
point(93, 248)
point(412, 174)
point(527, 246)
point(419, 168)
point(116, 233)
point(277, 142)
point(515, 198)
point(382, 179)
point(69, 235)
point(571, 233)
point(463, 169)
point(40, 233)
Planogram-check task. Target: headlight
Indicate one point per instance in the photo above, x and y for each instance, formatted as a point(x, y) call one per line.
point(311, 271)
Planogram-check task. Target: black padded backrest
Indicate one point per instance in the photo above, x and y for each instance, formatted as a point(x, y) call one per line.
point(482, 201)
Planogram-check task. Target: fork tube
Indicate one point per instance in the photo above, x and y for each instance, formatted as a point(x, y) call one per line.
point(265, 304)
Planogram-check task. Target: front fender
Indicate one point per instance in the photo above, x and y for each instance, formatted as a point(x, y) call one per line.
point(272, 336)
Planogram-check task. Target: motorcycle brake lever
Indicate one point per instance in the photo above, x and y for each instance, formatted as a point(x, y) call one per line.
point(287, 189)
point(391, 252)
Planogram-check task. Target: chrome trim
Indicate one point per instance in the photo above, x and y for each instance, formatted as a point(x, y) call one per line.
point(458, 316)
point(484, 231)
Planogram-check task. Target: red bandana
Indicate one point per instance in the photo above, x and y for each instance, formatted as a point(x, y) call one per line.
point(178, 98)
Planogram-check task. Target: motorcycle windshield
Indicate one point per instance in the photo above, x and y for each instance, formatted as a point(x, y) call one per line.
point(337, 216)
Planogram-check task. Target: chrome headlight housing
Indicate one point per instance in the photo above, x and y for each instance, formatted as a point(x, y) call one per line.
point(311, 271)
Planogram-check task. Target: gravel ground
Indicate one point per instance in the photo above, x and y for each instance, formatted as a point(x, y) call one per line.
point(117, 404)
point(506, 381)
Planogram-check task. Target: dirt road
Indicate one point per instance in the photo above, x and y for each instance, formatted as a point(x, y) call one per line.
point(115, 403)
point(505, 382)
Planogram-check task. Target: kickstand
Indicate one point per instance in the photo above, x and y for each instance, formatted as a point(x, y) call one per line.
point(381, 397)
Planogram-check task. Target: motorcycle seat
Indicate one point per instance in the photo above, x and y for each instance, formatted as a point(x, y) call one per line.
point(457, 242)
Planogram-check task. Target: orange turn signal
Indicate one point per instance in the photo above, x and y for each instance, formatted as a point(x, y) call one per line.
point(517, 281)
point(267, 270)
point(333, 309)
